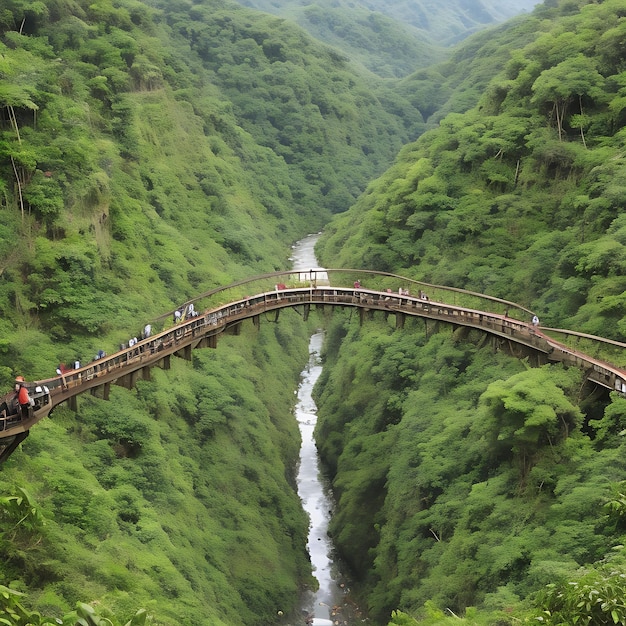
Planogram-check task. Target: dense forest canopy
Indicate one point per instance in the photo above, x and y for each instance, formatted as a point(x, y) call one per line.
point(502, 480)
point(334, 127)
point(393, 39)
point(165, 124)
point(150, 151)
point(135, 173)
point(520, 196)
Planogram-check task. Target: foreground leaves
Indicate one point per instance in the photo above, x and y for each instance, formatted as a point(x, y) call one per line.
point(597, 597)
point(12, 613)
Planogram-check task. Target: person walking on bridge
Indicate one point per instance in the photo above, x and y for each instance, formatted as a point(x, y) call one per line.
point(23, 398)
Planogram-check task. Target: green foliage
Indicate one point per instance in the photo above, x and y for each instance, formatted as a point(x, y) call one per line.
point(533, 179)
point(12, 613)
point(616, 505)
point(20, 517)
point(390, 39)
point(387, 46)
point(611, 426)
point(109, 138)
point(594, 597)
point(149, 153)
point(526, 412)
point(115, 481)
point(493, 488)
point(131, 182)
point(86, 615)
point(398, 618)
point(301, 100)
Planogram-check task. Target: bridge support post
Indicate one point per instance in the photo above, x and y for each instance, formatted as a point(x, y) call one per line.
point(256, 321)
point(460, 333)
point(128, 380)
point(536, 358)
point(208, 341)
point(484, 340)
point(166, 362)
point(101, 391)
point(73, 403)
point(305, 311)
point(145, 373)
point(364, 315)
point(495, 342)
point(434, 327)
point(400, 320)
point(235, 329)
point(9, 445)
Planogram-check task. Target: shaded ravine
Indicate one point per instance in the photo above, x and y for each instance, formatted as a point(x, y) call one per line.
point(330, 603)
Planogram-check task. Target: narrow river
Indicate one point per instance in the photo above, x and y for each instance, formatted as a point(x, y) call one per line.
point(330, 604)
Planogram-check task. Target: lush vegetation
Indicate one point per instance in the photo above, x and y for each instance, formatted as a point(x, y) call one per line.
point(131, 181)
point(463, 477)
point(332, 127)
point(152, 150)
point(175, 497)
point(466, 482)
point(520, 196)
point(392, 38)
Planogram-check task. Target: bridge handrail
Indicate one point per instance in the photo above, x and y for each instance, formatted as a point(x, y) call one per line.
point(223, 312)
point(431, 286)
point(315, 275)
point(215, 320)
point(609, 350)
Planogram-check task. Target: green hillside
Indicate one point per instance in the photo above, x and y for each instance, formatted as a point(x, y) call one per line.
point(150, 151)
point(385, 45)
point(393, 39)
point(501, 478)
point(519, 197)
point(334, 126)
point(138, 170)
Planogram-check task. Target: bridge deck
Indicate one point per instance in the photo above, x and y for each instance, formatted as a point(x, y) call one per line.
point(125, 366)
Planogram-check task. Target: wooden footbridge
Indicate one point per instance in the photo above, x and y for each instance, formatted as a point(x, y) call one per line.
point(226, 308)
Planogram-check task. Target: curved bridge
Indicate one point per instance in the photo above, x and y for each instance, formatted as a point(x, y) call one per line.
point(226, 308)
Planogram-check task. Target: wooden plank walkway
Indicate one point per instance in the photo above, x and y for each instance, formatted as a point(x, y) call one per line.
point(200, 331)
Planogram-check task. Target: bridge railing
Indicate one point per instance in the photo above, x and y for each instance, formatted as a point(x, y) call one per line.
point(380, 281)
point(607, 350)
point(230, 305)
point(611, 352)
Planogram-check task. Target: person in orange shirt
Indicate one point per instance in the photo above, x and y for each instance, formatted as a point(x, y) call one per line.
point(22, 395)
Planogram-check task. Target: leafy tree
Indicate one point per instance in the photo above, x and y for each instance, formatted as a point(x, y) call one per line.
point(576, 77)
point(527, 412)
point(611, 426)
